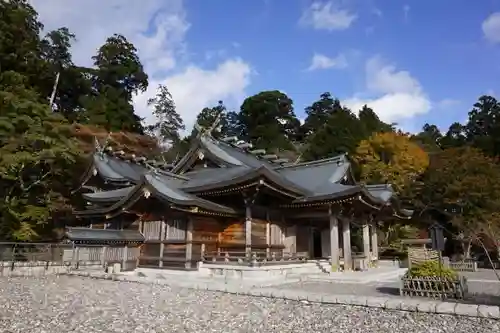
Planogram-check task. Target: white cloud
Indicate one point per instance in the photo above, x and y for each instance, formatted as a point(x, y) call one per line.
point(406, 12)
point(491, 27)
point(447, 103)
point(394, 95)
point(196, 88)
point(158, 30)
point(320, 61)
point(327, 16)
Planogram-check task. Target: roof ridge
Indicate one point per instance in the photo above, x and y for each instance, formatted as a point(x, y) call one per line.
point(337, 158)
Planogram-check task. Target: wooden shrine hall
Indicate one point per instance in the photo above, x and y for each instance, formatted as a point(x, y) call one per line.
point(227, 203)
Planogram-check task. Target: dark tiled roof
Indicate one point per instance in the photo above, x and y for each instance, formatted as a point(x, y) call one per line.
point(108, 196)
point(311, 181)
point(87, 234)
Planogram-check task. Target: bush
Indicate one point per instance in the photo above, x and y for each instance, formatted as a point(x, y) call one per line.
point(431, 269)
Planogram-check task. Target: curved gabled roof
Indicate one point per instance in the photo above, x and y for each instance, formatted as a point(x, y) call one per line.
point(244, 175)
point(160, 186)
point(314, 175)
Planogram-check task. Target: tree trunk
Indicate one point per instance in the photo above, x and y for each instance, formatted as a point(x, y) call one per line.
point(467, 250)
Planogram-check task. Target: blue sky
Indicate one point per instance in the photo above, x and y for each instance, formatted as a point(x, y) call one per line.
point(414, 61)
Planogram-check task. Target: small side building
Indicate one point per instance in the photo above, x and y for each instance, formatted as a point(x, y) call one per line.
point(103, 247)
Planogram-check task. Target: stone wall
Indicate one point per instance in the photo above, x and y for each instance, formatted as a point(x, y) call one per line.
point(41, 268)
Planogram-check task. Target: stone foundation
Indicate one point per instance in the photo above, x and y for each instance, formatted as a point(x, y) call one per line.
point(263, 272)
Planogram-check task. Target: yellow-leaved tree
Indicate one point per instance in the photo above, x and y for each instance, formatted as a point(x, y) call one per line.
point(390, 158)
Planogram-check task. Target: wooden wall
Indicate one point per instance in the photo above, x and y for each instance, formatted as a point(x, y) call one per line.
point(259, 232)
point(206, 231)
point(233, 233)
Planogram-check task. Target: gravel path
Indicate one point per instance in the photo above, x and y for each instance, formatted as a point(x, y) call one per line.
point(71, 304)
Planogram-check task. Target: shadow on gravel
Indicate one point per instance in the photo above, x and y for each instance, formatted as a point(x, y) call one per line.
point(485, 299)
point(388, 291)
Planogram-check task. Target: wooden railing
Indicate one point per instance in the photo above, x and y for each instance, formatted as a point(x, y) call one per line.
point(467, 265)
point(254, 257)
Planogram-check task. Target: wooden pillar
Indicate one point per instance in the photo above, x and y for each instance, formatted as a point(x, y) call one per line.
point(189, 242)
point(346, 233)
point(248, 228)
point(374, 238)
point(124, 257)
point(366, 241)
point(334, 240)
point(268, 239)
point(162, 246)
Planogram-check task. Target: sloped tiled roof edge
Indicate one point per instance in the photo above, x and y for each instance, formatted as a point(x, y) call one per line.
point(87, 234)
point(160, 189)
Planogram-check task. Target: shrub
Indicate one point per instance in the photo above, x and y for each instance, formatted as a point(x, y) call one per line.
point(431, 269)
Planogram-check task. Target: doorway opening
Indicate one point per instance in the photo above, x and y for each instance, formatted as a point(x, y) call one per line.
point(316, 239)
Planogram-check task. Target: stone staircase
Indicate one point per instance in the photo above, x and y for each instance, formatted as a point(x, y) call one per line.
point(323, 266)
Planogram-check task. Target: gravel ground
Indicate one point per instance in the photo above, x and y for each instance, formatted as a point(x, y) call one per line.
point(71, 304)
point(480, 292)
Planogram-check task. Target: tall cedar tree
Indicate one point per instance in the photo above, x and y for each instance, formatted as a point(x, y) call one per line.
point(119, 75)
point(339, 130)
point(372, 123)
point(168, 122)
point(483, 127)
point(268, 121)
point(74, 82)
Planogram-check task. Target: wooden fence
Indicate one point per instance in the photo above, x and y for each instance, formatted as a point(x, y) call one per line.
point(418, 256)
point(433, 287)
point(57, 254)
point(467, 265)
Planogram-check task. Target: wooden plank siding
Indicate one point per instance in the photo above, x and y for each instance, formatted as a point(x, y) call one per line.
point(167, 244)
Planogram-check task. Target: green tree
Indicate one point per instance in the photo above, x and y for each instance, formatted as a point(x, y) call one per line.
point(455, 137)
point(119, 75)
point(371, 122)
point(483, 127)
point(467, 176)
point(20, 46)
point(429, 138)
point(70, 84)
point(169, 122)
point(318, 113)
point(339, 132)
point(228, 122)
point(268, 121)
point(37, 156)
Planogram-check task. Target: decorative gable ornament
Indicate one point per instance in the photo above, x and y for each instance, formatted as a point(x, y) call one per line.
point(201, 156)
